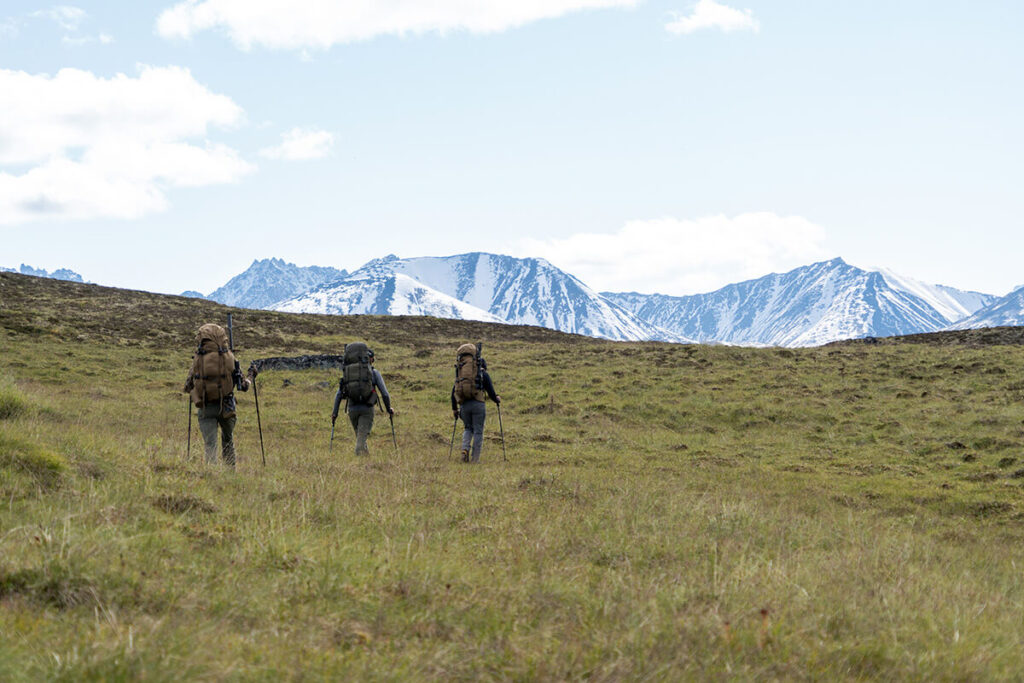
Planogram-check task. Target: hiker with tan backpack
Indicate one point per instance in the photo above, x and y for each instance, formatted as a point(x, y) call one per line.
point(471, 388)
point(211, 383)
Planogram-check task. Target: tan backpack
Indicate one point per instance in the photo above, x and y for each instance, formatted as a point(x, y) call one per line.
point(469, 380)
point(213, 366)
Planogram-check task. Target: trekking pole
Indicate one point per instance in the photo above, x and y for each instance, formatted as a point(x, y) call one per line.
point(331, 447)
point(451, 447)
point(259, 424)
point(393, 437)
point(504, 456)
point(188, 448)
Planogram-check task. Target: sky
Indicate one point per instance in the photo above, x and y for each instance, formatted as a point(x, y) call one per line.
point(670, 146)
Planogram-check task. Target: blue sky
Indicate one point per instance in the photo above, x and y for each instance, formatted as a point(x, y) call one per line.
point(670, 146)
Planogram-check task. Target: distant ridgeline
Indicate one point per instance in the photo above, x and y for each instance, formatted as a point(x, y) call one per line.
point(59, 274)
point(808, 306)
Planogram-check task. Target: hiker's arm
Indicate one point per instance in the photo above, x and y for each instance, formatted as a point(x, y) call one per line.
point(190, 381)
point(337, 404)
point(250, 377)
point(489, 388)
point(378, 380)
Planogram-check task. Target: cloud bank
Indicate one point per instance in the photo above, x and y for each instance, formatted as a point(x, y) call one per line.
point(674, 256)
point(299, 144)
point(300, 24)
point(710, 14)
point(78, 146)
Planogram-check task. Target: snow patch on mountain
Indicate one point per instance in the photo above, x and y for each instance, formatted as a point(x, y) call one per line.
point(1007, 311)
point(952, 304)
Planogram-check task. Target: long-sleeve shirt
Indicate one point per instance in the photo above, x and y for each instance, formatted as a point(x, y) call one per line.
point(380, 393)
point(488, 389)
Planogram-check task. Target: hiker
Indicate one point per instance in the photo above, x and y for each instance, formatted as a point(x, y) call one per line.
point(211, 383)
point(359, 384)
point(472, 387)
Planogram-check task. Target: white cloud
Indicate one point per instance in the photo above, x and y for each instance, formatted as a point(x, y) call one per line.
point(67, 17)
point(673, 256)
point(79, 146)
point(300, 144)
point(297, 24)
point(710, 14)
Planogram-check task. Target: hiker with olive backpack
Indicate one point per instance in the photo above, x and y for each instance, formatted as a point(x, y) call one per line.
point(471, 388)
point(211, 384)
point(359, 386)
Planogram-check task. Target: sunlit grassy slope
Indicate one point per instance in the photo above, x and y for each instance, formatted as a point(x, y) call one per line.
point(666, 512)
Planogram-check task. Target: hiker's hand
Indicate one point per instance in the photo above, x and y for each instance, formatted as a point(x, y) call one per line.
point(456, 413)
point(497, 399)
point(392, 412)
point(334, 417)
point(251, 374)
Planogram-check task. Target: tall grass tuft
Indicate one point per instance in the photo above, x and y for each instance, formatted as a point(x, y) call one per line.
point(45, 467)
point(12, 402)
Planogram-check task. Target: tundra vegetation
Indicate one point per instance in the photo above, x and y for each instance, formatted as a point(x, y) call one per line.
point(667, 512)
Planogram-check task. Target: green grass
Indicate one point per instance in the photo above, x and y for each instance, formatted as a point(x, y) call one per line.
point(667, 512)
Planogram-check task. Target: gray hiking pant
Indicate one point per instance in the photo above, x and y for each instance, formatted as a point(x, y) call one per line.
point(209, 420)
point(473, 414)
point(361, 418)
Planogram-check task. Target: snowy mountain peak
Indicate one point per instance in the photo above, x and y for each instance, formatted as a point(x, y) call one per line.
point(268, 281)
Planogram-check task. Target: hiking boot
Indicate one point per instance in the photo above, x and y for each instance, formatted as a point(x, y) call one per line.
point(465, 455)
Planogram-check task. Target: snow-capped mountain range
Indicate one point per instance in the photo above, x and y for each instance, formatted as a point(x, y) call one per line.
point(477, 286)
point(807, 306)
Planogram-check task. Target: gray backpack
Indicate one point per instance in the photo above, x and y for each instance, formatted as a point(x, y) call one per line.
point(357, 375)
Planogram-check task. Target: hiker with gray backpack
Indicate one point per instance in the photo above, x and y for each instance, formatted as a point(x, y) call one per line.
point(359, 386)
point(471, 388)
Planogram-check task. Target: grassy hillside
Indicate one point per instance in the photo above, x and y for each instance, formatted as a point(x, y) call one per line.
point(666, 512)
